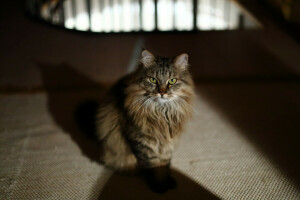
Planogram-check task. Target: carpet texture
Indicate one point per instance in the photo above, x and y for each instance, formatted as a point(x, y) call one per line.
point(41, 160)
point(243, 142)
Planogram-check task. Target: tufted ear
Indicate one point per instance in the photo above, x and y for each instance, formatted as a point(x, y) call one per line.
point(147, 58)
point(181, 61)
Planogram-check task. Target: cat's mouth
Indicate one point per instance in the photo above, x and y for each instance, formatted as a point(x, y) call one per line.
point(157, 97)
point(163, 97)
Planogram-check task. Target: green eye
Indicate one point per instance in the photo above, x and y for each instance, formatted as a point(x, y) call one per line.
point(152, 80)
point(172, 81)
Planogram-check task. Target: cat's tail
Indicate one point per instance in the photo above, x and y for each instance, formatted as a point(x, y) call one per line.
point(85, 116)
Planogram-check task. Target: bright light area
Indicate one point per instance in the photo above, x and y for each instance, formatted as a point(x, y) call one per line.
point(136, 16)
point(184, 15)
point(82, 17)
point(117, 11)
point(130, 15)
point(127, 21)
point(218, 16)
point(96, 16)
point(165, 10)
point(69, 20)
point(148, 15)
point(107, 16)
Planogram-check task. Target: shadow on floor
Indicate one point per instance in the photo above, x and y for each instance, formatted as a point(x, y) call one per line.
point(122, 186)
point(69, 94)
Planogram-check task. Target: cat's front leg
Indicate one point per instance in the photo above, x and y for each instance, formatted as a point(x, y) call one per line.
point(156, 170)
point(154, 161)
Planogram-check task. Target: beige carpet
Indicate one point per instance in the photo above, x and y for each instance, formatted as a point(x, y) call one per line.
point(42, 159)
point(243, 142)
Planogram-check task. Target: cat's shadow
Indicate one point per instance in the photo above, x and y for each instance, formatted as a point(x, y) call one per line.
point(122, 186)
point(69, 92)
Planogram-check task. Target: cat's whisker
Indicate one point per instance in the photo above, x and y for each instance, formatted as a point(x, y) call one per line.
point(139, 100)
point(144, 102)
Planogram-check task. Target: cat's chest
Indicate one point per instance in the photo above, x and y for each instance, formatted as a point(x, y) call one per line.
point(160, 119)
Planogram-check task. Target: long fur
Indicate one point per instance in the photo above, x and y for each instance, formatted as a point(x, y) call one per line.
point(137, 127)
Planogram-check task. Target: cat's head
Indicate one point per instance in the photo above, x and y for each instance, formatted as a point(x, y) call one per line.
point(165, 79)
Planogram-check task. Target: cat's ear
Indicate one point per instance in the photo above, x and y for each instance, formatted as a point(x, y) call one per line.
point(181, 61)
point(147, 58)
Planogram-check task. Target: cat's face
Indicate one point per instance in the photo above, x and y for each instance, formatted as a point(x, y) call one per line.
point(165, 79)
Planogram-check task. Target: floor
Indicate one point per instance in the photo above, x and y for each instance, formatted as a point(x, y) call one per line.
point(243, 142)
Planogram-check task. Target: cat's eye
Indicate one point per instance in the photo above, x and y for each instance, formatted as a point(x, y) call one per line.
point(152, 80)
point(172, 81)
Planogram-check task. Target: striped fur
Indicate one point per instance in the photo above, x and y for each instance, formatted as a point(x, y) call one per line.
point(136, 125)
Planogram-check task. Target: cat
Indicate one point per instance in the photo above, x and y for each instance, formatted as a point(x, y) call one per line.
point(143, 115)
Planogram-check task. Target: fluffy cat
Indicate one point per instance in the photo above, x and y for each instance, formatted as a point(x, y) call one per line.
point(143, 115)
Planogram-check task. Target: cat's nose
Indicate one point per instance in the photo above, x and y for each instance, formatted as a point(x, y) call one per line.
point(162, 94)
point(162, 91)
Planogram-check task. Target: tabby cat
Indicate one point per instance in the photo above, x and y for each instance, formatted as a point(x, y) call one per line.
point(143, 115)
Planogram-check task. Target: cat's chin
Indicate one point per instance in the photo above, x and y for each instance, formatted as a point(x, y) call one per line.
point(165, 99)
point(162, 99)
